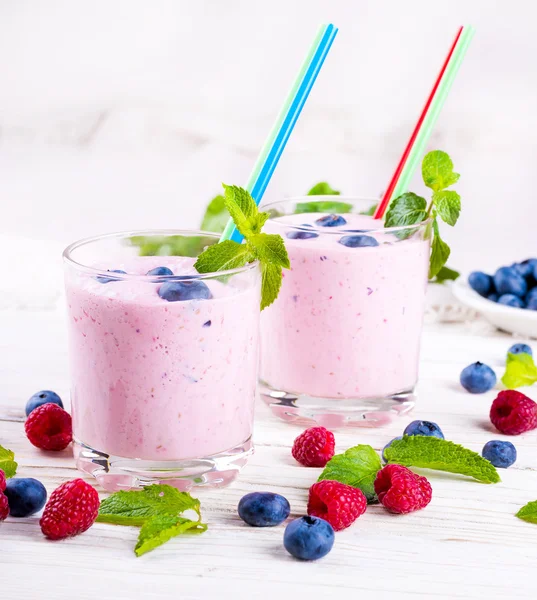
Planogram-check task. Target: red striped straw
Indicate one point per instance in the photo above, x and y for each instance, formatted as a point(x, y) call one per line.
point(383, 204)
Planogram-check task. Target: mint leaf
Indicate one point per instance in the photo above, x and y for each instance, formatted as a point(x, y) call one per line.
point(437, 171)
point(223, 256)
point(242, 208)
point(370, 211)
point(448, 205)
point(446, 274)
point(520, 371)
point(324, 206)
point(271, 282)
point(440, 455)
point(7, 462)
point(323, 189)
point(216, 215)
point(440, 252)
point(358, 467)
point(136, 507)
point(407, 209)
point(270, 248)
point(528, 512)
point(159, 529)
point(173, 245)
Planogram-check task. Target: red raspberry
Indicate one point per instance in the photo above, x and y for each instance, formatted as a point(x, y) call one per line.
point(49, 427)
point(72, 509)
point(402, 491)
point(314, 447)
point(513, 413)
point(4, 506)
point(3, 481)
point(335, 502)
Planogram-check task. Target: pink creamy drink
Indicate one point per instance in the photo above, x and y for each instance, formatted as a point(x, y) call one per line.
point(161, 380)
point(347, 322)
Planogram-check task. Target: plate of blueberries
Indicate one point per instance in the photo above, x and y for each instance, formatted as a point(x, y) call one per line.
point(507, 298)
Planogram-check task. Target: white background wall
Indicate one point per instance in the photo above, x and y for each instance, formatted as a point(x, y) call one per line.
point(118, 114)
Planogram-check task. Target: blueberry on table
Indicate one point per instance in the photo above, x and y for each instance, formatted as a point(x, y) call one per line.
point(160, 271)
point(511, 300)
point(263, 509)
point(308, 538)
point(26, 496)
point(331, 221)
point(42, 397)
point(508, 281)
point(520, 349)
point(501, 454)
point(481, 283)
point(427, 428)
point(177, 291)
point(399, 437)
point(358, 241)
point(478, 378)
point(101, 279)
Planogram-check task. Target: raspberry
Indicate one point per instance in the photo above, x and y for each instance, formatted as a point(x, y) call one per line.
point(4, 506)
point(335, 502)
point(513, 413)
point(314, 447)
point(49, 427)
point(3, 481)
point(402, 491)
point(71, 509)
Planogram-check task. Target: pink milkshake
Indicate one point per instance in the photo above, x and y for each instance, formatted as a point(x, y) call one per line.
point(341, 343)
point(163, 367)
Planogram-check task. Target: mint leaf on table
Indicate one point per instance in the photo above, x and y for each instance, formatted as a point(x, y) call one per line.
point(223, 257)
point(520, 371)
point(441, 455)
point(407, 209)
point(448, 206)
point(440, 252)
point(216, 215)
point(357, 467)
point(161, 528)
point(437, 171)
point(528, 512)
point(7, 462)
point(446, 274)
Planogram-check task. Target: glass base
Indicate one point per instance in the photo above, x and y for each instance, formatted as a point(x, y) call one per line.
point(304, 409)
point(115, 473)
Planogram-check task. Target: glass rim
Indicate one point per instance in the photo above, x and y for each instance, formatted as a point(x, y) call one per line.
point(339, 230)
point(68, 258)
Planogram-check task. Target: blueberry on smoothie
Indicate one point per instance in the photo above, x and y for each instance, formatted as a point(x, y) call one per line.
point(25, 495)
point(501, 454)
point(511, 300)
point(399, 437)
point(160, 271)
point(520, 349)
point(101, 279)
point(478, 378)
point(308, 538)
point(427, 428)
point(358, 241)
point(263, 509)
point(331, 221)
point(178, 291)
point(508, 281)
point(301, 235)
point(481, 283)
point(42, 397)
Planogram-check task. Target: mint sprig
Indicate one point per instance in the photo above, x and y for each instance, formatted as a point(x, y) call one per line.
point(268, 249)
point(520, 370)
point(440, 455)
point(331, 206)
point(409, 208)
point(7, 462)
point(160, 529)
point(528, 512)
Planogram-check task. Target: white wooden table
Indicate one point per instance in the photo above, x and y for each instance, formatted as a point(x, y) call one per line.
point(466, 544)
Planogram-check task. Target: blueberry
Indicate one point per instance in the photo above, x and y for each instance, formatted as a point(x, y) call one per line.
point(508, 281)
point(493, 297)
point(160, 271)
point(331, 221)
point(531, 295)
point(511, 300)
point(481, 283)
point(501, 454)
point(308, 538)
point(358, 241)
point(478, 378)
point(109, 279)
point(263, 509)
point(526, 267)
point(26, 496)
point(399, 437)
point(174, 291)
point(520, 349)
point(301, 235)
point(532, 303)
point(43, 397)
point(427, 428)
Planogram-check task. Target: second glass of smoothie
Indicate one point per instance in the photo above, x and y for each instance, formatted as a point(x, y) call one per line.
point(340, 345)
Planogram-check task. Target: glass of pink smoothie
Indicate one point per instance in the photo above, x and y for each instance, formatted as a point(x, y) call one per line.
point(163, 360)
point(340, 345)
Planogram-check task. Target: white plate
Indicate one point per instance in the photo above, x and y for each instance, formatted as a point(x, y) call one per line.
point(508, 318)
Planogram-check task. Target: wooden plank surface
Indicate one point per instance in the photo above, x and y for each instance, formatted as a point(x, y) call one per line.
point(466, 544)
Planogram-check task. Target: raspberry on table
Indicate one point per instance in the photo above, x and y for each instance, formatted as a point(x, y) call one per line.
point(49, 427)
point(3, 481)
point(314, 447)
point(71, 509)
point(336, 502)
point(402, 491)
point(513, 413)
point(4, 506)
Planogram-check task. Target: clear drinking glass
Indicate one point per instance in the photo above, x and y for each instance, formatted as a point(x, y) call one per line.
point(340, 346)
point(162, 388)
